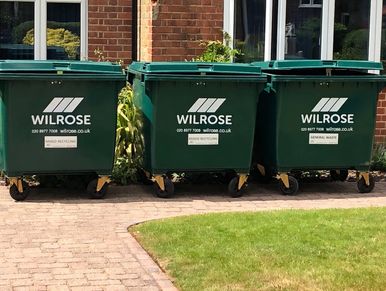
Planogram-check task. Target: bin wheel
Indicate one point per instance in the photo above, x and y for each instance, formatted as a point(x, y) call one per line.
point(363, 188)
point(19, 196)
point(233, 188)
point(94, 194)
point(293, 186)
point(339, 176)
point(169, 189)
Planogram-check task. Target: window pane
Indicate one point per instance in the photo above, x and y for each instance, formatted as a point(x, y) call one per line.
point(63, 31)
point(303, 29)
point(383, 43)
point(250, 29)
point(351, 31)
point(16, 25)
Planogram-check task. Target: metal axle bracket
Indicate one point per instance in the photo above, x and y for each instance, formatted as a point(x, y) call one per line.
point(159, 179)
point(17, 182)
point(261, 169)
point(102, 180)
point(242, 180)
point(284, 178)
point(366, 177)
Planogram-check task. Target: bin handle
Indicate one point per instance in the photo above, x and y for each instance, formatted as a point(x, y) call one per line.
point(329, 63)
point(61, 65)
point(204, 67)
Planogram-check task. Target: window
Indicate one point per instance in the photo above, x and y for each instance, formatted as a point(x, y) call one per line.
point(310, 4)
point(250, 29)
point(302, 31)
point(351, 30)
point(383, 40)
point(15, 19)
point(43, 29)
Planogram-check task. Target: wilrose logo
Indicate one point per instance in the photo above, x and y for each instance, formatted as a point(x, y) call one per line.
point(204, 106)
point(328, 106)
point(62, 105)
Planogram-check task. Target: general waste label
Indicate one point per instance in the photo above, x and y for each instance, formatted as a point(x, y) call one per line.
point(323, 138)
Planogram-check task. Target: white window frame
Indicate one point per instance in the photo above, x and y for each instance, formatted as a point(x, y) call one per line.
point(40, 26)
point(310, 5)
point(327, 31)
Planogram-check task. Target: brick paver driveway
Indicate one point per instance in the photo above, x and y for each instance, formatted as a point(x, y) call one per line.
point(61, 240)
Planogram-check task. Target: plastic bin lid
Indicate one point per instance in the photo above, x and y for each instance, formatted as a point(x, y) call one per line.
point(194, 68)
point(318, 64)
point(20, 66)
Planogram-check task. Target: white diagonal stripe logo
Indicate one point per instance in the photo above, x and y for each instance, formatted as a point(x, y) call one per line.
point(54, 103)
point(59, 104)
point(329, 105)
point(338, 104)
point(216, 105)
point(73, 105)
point(206, 105)
point(197, 105)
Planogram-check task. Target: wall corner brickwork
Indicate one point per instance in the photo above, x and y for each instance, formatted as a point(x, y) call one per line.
point(109, 29)
point(380, 128)
point(176, 27)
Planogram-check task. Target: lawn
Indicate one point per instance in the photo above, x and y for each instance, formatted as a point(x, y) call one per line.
point(288, 250)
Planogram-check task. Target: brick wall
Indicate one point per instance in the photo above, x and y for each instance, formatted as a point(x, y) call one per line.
point(109, 29)
point(175, 28)
point(380, 130)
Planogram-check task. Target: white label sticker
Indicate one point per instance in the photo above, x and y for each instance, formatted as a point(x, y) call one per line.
point(60, 142)
point(203, 139)
point(324, 138)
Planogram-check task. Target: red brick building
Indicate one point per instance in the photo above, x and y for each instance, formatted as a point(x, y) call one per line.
point(170, 30)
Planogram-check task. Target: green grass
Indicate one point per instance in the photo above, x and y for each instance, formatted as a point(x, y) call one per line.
point(281, 250)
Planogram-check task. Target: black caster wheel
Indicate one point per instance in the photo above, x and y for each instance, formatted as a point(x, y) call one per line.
point(19, 196)
point(233, 188)
point(340, 175)
point(293, 186)
point(363, 188)
point(169, 189)
point(92, 190)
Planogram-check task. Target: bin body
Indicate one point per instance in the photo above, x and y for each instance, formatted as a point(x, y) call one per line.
point(308, 120)
point(58, 117)
point(197, 116)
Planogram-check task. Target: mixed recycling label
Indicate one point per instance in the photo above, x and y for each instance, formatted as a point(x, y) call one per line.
point(201, 124)
point(57, 121)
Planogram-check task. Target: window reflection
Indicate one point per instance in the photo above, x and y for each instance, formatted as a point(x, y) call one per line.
point(16, 19)
point(351, 30)
point(303, 29)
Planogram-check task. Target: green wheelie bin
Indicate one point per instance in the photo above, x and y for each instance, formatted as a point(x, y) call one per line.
point(58, 118)
point(198, 117)
point(317, 115)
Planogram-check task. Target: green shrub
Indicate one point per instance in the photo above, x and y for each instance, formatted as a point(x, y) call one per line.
point(129, 139)
point(378, 161)
point(217, 51)
point(58, 37)
point(21, 30)
point(355, 45)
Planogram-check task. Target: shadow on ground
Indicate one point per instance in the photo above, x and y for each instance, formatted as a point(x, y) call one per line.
point(206, 192)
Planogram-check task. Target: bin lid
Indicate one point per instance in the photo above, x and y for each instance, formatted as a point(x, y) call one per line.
point(71, 67)
point(194, 68)
point(318, 64)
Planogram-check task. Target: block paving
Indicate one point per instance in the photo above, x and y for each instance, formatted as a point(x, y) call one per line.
point(60, 240)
